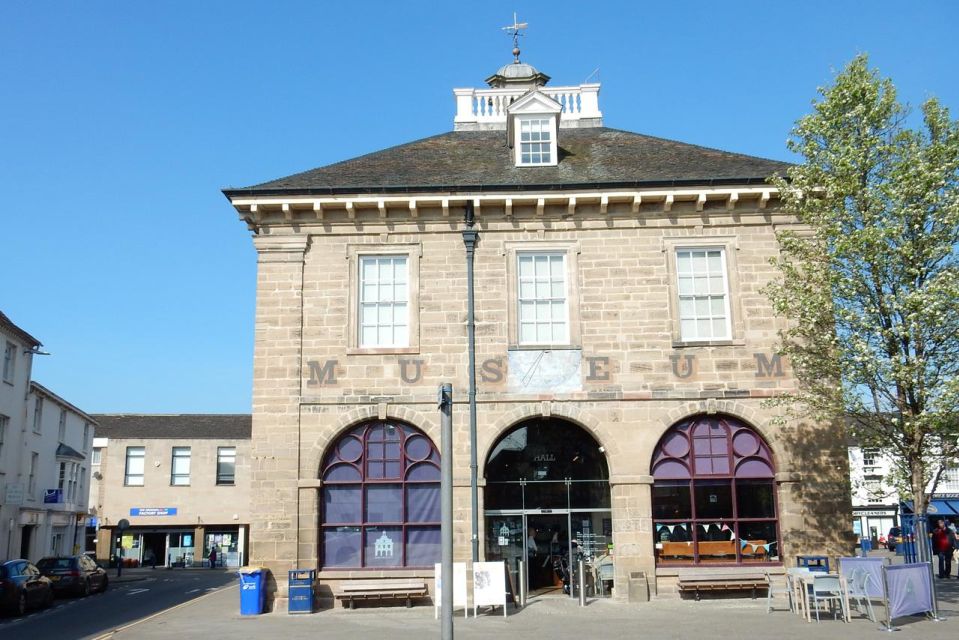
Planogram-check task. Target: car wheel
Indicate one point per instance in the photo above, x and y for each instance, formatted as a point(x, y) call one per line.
point(21, 604)
point(48, 602)
point(106, 581)
point(84, 588)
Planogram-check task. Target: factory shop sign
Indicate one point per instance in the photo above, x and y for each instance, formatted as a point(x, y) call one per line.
point(153, 511)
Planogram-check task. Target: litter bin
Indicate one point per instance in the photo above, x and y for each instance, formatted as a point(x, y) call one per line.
point(252, 591)
point(638, 587)
point(865, 546)
point(301, 591)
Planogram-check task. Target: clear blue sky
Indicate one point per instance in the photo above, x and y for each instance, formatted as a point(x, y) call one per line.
point(121, 121)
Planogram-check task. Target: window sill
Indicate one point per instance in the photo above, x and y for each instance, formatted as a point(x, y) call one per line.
point(544, 347)
point(381, 351)
point(685, 344)
point(226, 484)
point(9, 382)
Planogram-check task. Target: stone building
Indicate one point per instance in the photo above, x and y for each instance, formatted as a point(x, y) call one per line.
point(623, 350)
point(181, 482)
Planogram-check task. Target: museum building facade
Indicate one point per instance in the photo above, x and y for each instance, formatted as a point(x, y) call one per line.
point(622, 350)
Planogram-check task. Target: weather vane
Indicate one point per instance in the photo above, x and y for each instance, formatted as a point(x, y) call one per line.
point(514, 30)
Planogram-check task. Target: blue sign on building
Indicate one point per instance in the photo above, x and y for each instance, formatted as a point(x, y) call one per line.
point(153, 511)
point(53, 496)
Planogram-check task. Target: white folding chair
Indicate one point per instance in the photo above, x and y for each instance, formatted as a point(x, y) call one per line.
point(775, 586)
point(828, 588)
point(800, 595)
point(859, 592)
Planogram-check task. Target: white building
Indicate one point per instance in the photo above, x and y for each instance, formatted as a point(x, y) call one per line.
point(875, 500)
point(45, 445)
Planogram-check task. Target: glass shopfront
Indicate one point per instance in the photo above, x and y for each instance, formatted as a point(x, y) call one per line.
point(547, 503)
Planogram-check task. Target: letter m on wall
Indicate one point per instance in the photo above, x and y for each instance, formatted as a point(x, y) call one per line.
point(324, 375)
point(769, 367)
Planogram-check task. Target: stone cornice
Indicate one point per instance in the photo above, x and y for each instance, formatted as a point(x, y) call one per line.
point(289, 210)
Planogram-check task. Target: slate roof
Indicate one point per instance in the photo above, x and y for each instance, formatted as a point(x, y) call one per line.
point(7, 324)
point(185, 426)
point(480, 160)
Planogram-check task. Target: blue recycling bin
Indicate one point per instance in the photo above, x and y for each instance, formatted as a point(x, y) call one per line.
point(813, 563)
point(252, 591)
point(865, 546)
point(301, 590)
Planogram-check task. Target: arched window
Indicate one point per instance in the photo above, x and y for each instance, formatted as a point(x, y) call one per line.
point(381, 498)
point(714, 498)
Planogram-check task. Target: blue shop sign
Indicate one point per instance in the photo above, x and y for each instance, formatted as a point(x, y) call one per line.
point(153, 511)
point(53, 496)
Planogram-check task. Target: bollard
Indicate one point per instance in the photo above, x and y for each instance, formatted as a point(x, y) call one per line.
point(582, 583)
point(522, 583)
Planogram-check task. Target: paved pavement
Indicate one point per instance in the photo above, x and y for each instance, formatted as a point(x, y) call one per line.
point(216, 615)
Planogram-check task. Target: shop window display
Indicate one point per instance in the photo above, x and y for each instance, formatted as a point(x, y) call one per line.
point(714, 499)
point(381, 499)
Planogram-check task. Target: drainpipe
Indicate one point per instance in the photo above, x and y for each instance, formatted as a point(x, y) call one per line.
point(470, 235)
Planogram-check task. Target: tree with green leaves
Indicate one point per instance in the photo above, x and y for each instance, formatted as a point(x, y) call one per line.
point(870, 277)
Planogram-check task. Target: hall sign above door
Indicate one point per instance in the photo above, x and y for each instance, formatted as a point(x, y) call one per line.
point(536, 371)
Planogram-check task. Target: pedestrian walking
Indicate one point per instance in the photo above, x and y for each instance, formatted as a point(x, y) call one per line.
point(943, 543)
point(213, 557)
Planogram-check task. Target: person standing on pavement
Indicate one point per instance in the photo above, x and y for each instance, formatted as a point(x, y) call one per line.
point(943, 543)
point(213, 557)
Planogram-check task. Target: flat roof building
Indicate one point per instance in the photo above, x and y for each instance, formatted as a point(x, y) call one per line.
point(181, 481)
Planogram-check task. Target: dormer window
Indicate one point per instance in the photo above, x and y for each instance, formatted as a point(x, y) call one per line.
point(532, 122)
point(537, 144)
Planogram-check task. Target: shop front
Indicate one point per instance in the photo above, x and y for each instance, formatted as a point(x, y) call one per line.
point(174, 546)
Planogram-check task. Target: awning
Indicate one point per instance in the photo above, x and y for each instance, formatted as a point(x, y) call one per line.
point(937, 507)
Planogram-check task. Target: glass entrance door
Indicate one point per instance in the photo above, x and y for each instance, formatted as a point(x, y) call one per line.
point(505, 536)
point(548, 553)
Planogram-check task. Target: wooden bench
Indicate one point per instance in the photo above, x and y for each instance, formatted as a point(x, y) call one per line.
point(723, 582)
point(712, 548)
point(381, 590)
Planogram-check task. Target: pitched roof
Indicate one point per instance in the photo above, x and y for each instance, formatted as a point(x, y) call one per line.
point(480, 160)
point(7, 323)
point(185, 426)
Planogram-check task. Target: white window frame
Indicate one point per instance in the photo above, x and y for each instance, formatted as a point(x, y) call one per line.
point(4, 421)
point(384, 292)
point(95, 456)
point(222, 455)
point(62, 426)
point(354, 254)
point(570, 251)
point(9, 361)
point(32, 478)
point(542, 305)
point(134, 479)
point(691, 297)
point(530, 142)
point(37, 414)
point(180, 466)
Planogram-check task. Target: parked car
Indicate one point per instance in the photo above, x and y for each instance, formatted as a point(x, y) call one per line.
point(895, 535)
point(77, 575)
point(22, 587)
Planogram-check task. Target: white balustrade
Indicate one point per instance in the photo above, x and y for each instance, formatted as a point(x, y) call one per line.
point(490, 105)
